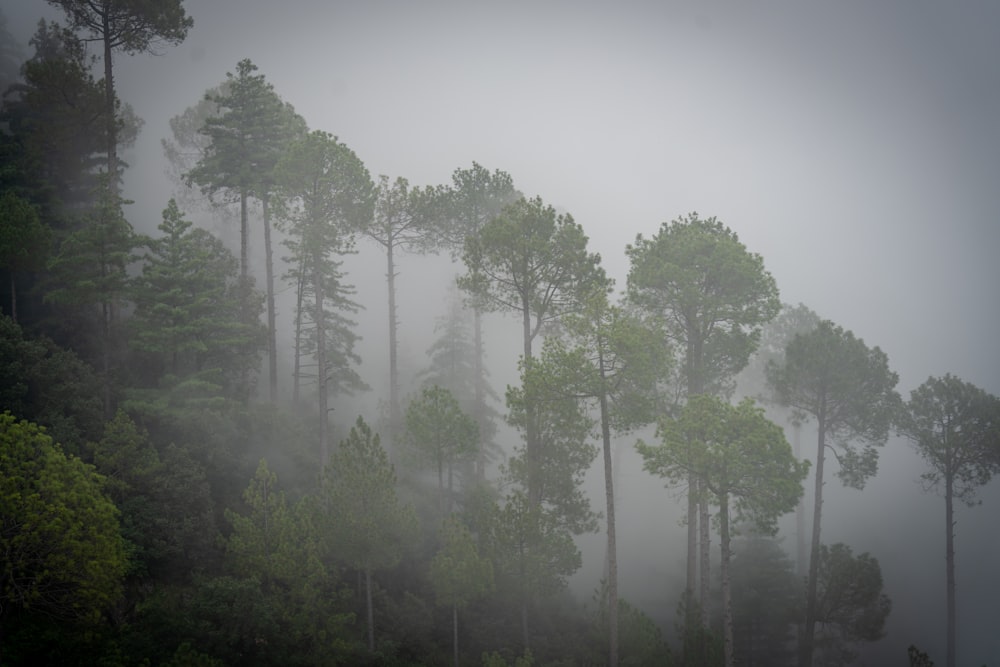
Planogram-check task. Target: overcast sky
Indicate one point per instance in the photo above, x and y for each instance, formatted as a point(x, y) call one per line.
point(854, 145)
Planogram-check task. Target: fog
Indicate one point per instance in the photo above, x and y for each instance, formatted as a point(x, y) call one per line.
point(854, 146)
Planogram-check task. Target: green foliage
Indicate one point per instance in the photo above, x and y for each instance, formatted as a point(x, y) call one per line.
point(737, 453)
point(24, 240)
point(474, 198)
point(847, 387)
point(442, 435)
point(533, 554)
point(955, 427)
point(494, 659)
point(851, 607)
point(918, 658)
point(50, 386)
point(187, 317)
point(767, 602)
point(712, 293)
point(458, 573)
point(530, 261)
point(359, 514)
point(552, 473)
point(131, 26)
point(62, 551)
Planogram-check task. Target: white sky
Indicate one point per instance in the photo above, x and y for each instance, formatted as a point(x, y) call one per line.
point(853, 145)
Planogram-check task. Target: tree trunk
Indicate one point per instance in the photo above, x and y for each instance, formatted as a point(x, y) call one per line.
point(109, 103)
point(692, 543)
point(949, 558)
point(705, 563)
point(454, 631)
point(321, 363)
point(272, 336)
point(727, 600)
point(532, 455)
point(524, 623)
point(299, 298)
point(609, 494)
point(809, 631)
point(370, 613)
point(480, 390)
point(393, 368)
point(13, 299)
point(800, 512)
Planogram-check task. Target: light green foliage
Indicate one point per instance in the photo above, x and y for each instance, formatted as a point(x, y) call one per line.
point(832, 376)
point(552, 473)
point(441, 435)
point(775, 337)
point(712, 293)
point(360, 516)
point(955, 427)
point(61, 550)
point(851, 607)
point(533, 262)
point(187, 304)
point(739, 455)
point(494, 659)
point(458, 573)
point(474, 198)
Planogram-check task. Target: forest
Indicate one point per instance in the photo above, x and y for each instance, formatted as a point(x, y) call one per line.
point(202, 464)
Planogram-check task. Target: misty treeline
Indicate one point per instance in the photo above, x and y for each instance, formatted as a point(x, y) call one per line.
point(176, 488)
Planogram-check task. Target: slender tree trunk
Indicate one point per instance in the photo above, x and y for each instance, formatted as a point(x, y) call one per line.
point(299, 298)
point(727, 598)
point(692, 541)
point(949, 558)
point(800, 511)
point(451, 492)
point(809, 631)
point(454, 631)
point(13, 299)
point(612, 556)
point(393, 368)
point(480, 389)
point(321, 362)
point(532, 454)
point(244, 287)
point(705, 563)
point(109, 104)
point(524, 622)
point(371, 614)
point(272, 336)
point(440, 463)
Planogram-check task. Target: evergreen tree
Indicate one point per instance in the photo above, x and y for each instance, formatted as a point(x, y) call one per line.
point(713, 296)
point(187, 307)
point(327, 198)
point(832, 376)
point(24, 241)
point(359, 514)
point(955, 427)
point(129, 26)
point(442, 436)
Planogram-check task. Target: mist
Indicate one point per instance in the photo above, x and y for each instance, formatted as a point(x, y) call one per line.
point(854, 147)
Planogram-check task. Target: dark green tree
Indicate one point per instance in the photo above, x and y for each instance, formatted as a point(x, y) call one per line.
point(128, 26)
point(767, 602)
point(187, 318)
point(955, 427)
point(850, 605)
point(745, 467)
point(713, 296)
point(476, 196)
point(89, 270)
point(11, 56)
point(327, 199)
point(443, 436)
point(458, 573)
point(62, 553)
point(360, 517)
point(532, 554)
point(24, 241)
point(535, 263)
point(832, 376)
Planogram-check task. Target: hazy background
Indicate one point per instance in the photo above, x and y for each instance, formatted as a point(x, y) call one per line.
point(855, 146)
